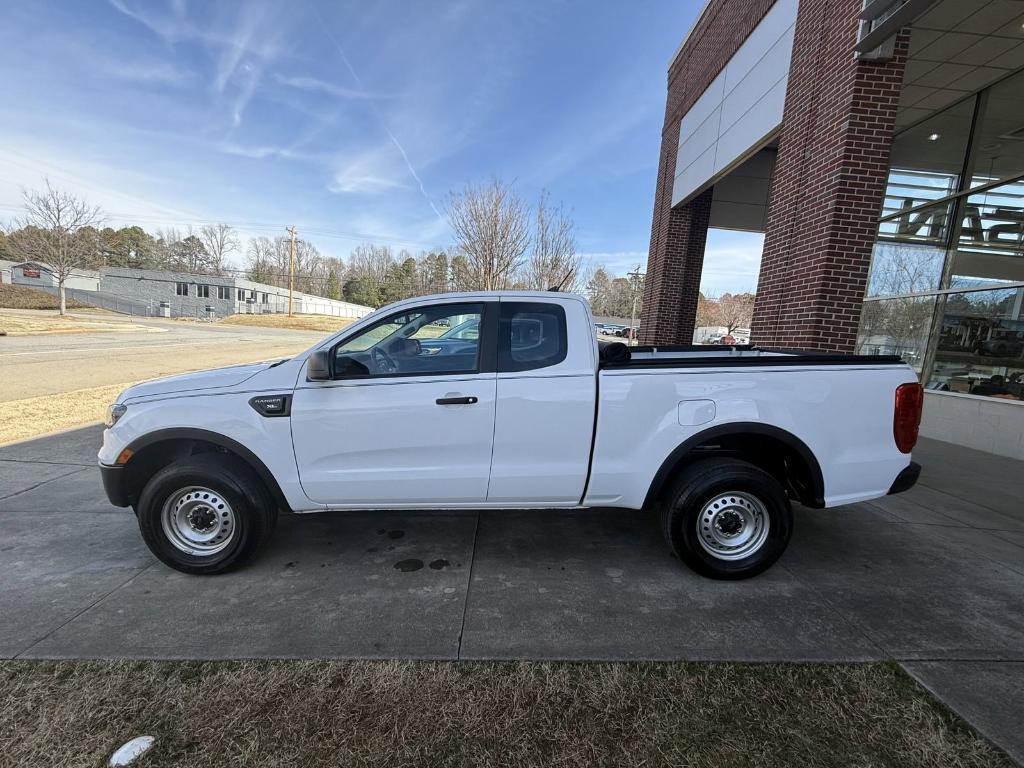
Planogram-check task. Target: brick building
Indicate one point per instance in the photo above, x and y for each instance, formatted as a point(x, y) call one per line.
point(879, 146)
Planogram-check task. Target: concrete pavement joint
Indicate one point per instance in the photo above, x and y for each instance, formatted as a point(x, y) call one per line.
point(835, 610)
point(469, 585)
point(86, 609)
point(44, 482)
point(944, 697)
point(44, 461)
point(959, 498)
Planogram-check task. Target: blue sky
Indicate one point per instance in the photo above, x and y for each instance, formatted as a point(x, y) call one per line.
point(352, 120)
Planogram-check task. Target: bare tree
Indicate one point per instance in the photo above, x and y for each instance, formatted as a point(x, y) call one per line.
point(492, 232)
point(599, 289)
point(707, 311)
point(554, 261)
point(220, 241)
point(260, 260)
point(56, 230)
point(369, 266)
point(735, 310)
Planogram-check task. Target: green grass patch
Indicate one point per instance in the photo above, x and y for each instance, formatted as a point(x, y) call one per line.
point(317, 713)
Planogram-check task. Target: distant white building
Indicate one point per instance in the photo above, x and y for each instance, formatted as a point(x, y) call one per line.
point(41, 275)
point(713, 334)
point(5, 271)
point(184, 293)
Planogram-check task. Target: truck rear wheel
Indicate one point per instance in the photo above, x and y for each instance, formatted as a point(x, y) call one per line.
point(726, 519)
point(205, 514)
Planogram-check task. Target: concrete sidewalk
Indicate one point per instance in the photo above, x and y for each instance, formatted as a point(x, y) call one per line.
point(933, 578)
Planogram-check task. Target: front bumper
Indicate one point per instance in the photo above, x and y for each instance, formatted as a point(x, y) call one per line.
point(906, 479)
point(114, 485)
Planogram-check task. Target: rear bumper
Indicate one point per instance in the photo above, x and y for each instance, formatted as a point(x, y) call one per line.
point(906, 479)
point(114, 486)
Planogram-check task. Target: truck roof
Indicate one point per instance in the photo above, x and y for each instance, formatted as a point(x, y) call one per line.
point(483, 295)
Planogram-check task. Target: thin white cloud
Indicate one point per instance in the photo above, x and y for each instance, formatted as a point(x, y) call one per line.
point(122, 193)
point(147, 72)
point(368, 172)
point(321, 86)
point(170, 28)
point(241, 45)
point(383, 123)
point(617, 263)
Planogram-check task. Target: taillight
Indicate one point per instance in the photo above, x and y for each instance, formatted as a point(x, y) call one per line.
point(907, 417)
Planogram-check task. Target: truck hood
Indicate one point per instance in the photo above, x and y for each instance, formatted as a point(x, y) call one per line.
point(200, 381)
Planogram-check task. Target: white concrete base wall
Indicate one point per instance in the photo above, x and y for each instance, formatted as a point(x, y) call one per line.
point(983, 423)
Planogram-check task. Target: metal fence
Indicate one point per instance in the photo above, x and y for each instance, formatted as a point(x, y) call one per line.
point(201, 309)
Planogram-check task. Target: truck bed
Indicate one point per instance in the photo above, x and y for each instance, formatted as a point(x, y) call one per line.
point(693, 356)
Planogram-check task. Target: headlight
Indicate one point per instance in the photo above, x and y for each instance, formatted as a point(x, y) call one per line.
point(115, 412)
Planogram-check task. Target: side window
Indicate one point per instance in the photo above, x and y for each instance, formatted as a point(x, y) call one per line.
point(531, 335)
point(435, 340)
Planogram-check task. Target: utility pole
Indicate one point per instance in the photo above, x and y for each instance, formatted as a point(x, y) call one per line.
point(635, 277)
point(291, 270)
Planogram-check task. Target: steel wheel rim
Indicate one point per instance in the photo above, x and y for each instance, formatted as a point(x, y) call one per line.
point(733, 525)
point(198, 521)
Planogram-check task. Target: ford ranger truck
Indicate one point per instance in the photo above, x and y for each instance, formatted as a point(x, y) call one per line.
point(507, 400)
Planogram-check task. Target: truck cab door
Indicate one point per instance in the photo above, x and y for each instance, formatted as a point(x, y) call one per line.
point(547, 389)
point(407, 418)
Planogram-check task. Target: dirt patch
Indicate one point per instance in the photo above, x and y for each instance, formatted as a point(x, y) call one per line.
point(325, 323)
point(23, 297)
point(315, 713)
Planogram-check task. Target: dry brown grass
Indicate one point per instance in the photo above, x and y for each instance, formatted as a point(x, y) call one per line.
point(12, 324)
point(34, 416)
point(314, 713)
point(326, 323)
point(23, 297)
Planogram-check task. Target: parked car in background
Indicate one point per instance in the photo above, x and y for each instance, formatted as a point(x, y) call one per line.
point(516, 406)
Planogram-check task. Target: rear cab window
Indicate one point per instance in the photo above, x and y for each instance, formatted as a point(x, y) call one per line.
point(531, 336)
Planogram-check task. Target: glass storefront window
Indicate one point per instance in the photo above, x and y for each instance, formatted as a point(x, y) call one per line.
point(964, 255)
point(981, 345)
point(999, 146)
point(991, 245)
point(926, 160)
point(905, 268)
point(896, 327)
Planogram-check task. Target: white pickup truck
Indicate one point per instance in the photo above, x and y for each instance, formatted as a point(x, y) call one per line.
point(507, 400)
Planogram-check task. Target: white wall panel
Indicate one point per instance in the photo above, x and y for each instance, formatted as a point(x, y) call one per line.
point(763, 117)
point(703, 138)
point(701, 168)
point(742, 106)
point(707, 103)
point(776, 23)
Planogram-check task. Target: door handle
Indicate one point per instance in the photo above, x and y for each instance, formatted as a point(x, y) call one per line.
point(456, 400)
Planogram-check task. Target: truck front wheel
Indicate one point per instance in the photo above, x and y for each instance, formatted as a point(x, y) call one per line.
point(205, 514)
point(726, 519)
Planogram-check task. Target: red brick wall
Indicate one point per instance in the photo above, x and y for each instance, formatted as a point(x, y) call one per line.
point(678, 236)
point(672, 288)
point(828, 183)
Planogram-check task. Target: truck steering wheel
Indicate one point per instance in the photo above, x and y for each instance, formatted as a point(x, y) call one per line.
point(384, 362)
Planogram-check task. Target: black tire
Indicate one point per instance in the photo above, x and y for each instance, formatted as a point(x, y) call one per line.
point(253, 520)
point(702, 482)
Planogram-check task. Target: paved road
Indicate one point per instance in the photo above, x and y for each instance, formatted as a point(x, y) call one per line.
point(933, 578)
point(48, 364)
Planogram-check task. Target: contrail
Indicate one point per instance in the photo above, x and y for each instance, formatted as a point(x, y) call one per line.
point(377, 114)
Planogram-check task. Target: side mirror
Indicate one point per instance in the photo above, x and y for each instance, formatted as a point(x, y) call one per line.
point(318, 366)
